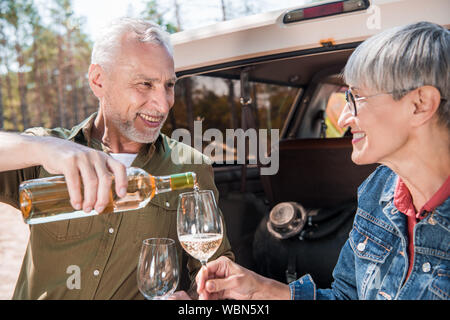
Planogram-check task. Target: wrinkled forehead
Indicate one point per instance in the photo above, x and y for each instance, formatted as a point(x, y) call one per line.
point(144, 58)
point(131, 44)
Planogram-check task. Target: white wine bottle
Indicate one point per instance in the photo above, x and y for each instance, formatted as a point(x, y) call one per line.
point(47, 199)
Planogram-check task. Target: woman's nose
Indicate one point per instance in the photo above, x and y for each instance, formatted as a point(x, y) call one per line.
point(344, 117)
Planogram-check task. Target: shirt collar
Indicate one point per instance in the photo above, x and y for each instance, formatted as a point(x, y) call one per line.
point(82, 131)
point(403, 200)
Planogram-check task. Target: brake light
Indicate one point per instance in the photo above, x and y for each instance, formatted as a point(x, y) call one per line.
point(325, 10)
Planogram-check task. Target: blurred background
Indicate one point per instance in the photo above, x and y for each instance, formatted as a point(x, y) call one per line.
point(45, 48)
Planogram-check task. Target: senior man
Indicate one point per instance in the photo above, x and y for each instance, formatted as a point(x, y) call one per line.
point(132, 75)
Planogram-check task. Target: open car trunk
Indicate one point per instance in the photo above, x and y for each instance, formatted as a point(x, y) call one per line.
point(258, 74)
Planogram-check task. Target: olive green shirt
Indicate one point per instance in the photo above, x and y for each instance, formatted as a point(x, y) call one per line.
point(103, 250)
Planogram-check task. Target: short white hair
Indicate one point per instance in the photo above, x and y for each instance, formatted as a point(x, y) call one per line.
point(402, 59)
point(109, 39)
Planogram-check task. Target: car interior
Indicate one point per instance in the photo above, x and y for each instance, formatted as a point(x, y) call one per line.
point(315, 170)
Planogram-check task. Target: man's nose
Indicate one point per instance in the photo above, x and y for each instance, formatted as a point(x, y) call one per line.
point(162, 100)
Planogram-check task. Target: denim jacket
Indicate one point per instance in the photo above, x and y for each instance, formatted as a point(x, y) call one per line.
point(373, 263)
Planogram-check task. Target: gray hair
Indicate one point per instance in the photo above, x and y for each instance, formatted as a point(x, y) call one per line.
point(108, 42)
point(402, 59)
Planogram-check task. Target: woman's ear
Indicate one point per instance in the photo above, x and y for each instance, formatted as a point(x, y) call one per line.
point(96, 76)
point(426, 101)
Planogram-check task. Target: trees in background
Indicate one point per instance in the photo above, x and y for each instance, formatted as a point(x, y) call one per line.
point(44, 58)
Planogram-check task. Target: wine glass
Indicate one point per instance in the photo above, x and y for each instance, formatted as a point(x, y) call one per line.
point(199, 224)
point(157, 272)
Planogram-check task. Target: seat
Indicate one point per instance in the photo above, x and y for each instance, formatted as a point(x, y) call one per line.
point(317, 173)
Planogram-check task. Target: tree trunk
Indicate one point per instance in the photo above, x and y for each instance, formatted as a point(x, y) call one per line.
point(60, 84)
point(224, 10)
point(10, 99)
point(38, 89)
point(72, 79)
point(22, 87)
point(1, 106)
point(48, 94)
point(84, 94)
point(177, 14)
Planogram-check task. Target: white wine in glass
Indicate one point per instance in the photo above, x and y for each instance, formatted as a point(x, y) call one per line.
point(199, 224)
point(157, 272)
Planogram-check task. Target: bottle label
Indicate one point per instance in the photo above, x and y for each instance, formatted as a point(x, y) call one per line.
point(182, 181)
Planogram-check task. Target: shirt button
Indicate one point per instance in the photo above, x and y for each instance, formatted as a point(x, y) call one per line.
point(167, 204)
point(426, 267)
point(361, 246)
point(111, 230)
point(96, 272)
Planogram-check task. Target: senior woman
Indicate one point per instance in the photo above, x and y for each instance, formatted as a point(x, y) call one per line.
point(398, 111)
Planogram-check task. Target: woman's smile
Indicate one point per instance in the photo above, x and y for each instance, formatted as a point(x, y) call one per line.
point(358, 136)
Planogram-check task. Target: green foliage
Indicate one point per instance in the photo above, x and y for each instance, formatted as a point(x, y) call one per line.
point(43, 65)
point(152, 13)
point(45, 56)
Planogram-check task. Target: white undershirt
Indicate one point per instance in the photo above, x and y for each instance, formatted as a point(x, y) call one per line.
point(126, 158)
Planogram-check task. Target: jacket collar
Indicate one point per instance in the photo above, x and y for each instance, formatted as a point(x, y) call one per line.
point(444, 208)
point(387, 194)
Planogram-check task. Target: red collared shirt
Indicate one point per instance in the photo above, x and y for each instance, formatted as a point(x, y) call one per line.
point(403, 202)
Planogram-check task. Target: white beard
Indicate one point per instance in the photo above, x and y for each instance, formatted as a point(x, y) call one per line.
point(128, 130)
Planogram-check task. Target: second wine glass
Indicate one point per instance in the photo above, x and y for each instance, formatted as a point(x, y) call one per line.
point(157, 272)
point(199, 224)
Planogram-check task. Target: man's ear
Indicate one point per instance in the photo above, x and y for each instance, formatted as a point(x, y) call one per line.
point(426, 101)
point(96, 76)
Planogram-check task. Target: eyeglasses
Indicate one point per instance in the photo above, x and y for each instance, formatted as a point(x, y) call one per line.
point(351, 100)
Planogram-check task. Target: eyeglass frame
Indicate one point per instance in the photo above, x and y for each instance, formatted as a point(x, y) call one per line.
point(352, 102)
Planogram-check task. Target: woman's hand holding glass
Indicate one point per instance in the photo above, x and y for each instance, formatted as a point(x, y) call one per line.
point(225, 279)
